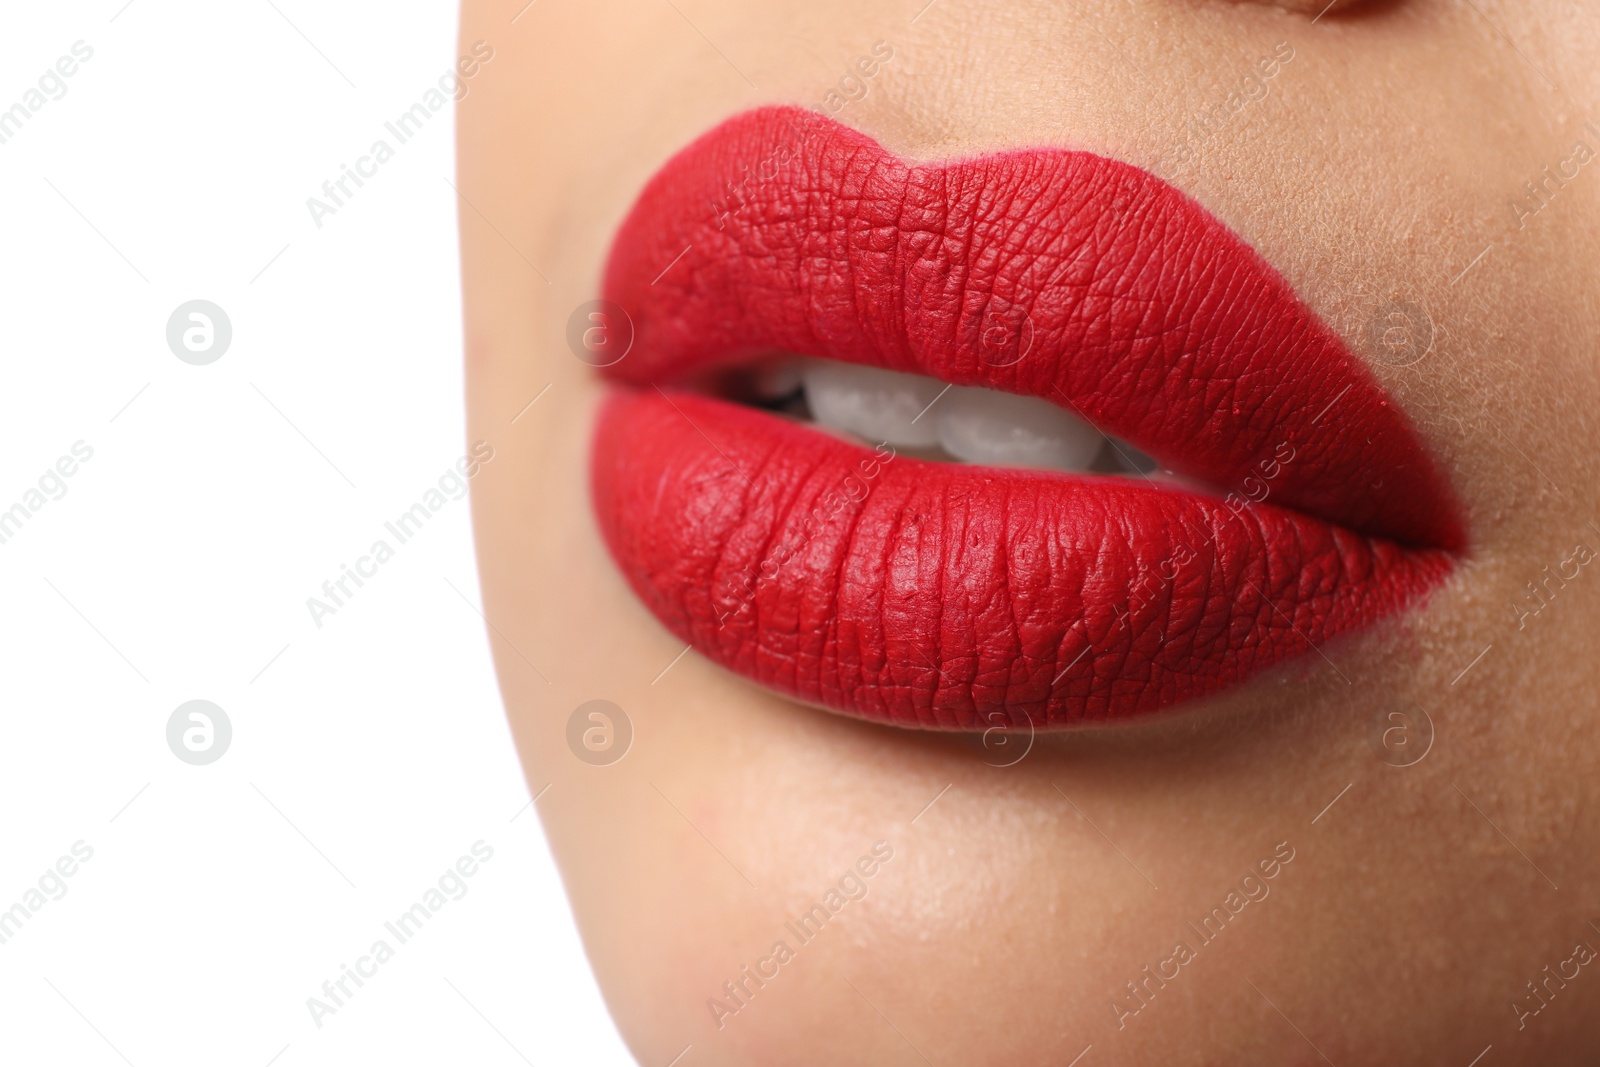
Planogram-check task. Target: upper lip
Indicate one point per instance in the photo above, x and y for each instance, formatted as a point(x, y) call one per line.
point(1060, 274)
point(1079, 279)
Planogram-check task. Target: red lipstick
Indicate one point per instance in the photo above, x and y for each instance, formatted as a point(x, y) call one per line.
point(946, 596)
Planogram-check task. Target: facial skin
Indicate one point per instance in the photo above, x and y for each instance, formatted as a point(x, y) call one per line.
point(1381, 164)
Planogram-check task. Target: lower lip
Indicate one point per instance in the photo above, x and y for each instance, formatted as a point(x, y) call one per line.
point(942, 596)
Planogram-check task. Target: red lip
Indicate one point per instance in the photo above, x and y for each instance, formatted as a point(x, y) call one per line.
point(947, 596)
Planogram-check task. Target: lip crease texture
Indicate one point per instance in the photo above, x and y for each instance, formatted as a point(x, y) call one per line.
point(946, 596)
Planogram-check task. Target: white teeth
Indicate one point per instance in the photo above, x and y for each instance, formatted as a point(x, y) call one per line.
point(976, 425)
point(1005, 430)
point(878, 405)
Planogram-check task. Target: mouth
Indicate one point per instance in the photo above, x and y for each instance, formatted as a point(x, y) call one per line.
point(1029, 439)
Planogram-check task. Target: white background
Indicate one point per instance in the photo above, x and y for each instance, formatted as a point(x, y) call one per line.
point(367, 755)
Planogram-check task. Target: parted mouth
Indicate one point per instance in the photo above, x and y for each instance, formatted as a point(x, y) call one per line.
point(1088, 455)
point(924, 418)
